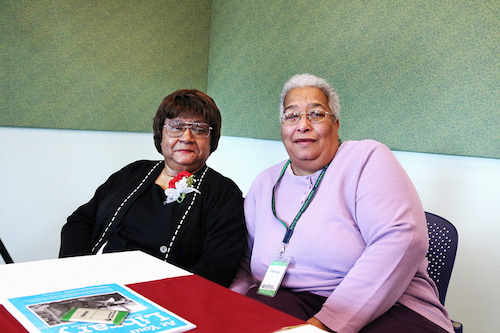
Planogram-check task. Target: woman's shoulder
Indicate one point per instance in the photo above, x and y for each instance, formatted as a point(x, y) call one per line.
point(139, 167)
point(362, 148)
point(269, 176)
point(367, 144)
point(272, 171)
point(142, 165)
point(215, 178)
point(357, 155)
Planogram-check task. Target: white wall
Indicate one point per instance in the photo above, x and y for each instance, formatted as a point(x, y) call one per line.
point(46, 174)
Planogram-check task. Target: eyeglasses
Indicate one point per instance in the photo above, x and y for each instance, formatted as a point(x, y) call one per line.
point(176, 128)
point(314, 116)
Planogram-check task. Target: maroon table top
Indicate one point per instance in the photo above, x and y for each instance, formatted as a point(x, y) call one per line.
point(210, 307)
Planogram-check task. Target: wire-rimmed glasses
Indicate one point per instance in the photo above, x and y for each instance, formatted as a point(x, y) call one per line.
point(176, 128)
point(314, 116)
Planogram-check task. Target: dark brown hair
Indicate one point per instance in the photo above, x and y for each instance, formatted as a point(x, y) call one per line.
point(188, 103)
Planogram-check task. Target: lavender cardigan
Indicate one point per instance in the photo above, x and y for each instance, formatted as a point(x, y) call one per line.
point(362, 241)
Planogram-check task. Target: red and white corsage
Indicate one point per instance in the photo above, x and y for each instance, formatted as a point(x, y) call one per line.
point(179, 186)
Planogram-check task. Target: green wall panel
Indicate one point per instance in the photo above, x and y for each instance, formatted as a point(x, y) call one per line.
point(419, 76)
point(98, 65)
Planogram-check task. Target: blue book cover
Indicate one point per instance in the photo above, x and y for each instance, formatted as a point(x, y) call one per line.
point(42, 313)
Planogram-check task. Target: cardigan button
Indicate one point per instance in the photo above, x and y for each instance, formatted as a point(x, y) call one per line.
point(163, 249)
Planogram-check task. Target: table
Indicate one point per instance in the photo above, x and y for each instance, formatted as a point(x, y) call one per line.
point(211, 307)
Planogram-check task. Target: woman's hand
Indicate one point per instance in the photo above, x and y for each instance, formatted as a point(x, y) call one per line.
point(315, 322)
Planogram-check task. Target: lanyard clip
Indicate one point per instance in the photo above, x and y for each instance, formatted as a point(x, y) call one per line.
point(281, 252)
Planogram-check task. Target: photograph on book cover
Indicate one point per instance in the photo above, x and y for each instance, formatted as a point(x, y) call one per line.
point(52, 311)
point(42, 313)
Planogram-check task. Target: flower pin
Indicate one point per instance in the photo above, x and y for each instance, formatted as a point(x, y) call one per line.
point(179, 186)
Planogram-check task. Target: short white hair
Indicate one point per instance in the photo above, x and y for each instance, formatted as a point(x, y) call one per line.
point(309, 80)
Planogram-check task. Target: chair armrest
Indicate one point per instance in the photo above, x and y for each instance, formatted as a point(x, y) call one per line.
point(457, 326)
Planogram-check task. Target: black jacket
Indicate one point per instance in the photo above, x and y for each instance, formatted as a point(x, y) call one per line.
point(209, 240)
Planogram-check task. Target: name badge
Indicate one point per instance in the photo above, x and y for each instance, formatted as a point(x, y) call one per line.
point(274, 276)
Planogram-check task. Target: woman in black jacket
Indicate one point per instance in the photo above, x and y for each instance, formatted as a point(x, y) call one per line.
point(177, 209)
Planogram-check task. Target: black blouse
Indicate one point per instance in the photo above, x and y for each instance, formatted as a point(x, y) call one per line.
point(144, 226)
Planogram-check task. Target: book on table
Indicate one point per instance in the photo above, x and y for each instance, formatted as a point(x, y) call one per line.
point(48, 312)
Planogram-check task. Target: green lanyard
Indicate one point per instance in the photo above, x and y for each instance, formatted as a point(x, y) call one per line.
point(289, 230)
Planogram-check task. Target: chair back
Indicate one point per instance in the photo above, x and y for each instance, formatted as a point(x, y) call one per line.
point(443, 241)
point(5, 254)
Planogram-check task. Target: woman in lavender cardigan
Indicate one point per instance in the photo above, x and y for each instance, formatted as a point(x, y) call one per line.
point(347, 219)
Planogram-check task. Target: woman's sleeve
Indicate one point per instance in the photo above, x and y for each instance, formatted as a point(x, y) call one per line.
point(225, 231)
point(76, 234)
point(244, 278)
point(392, 223)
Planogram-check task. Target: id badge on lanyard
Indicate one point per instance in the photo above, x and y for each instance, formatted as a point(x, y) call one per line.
point(274, 275)
point(279, 265)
